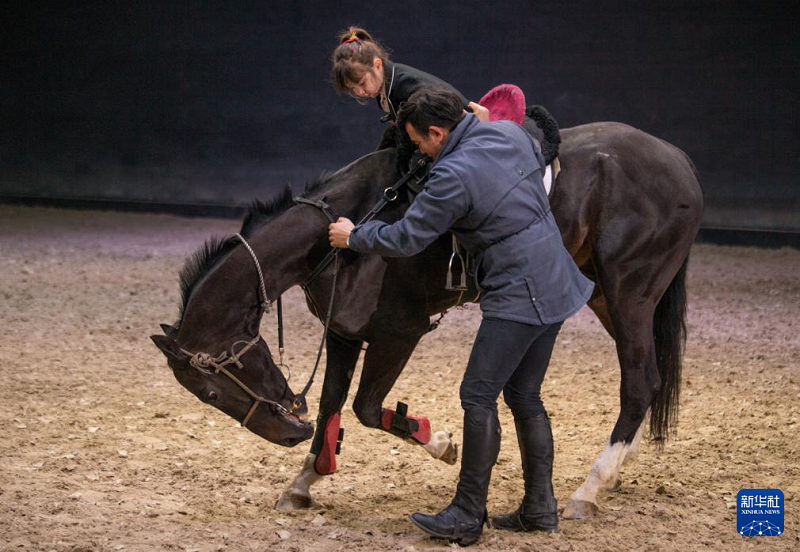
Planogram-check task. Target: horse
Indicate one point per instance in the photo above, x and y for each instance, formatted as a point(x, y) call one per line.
point(628, 206)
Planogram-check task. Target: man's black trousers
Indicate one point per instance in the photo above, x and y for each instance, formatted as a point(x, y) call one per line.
point(511, 357)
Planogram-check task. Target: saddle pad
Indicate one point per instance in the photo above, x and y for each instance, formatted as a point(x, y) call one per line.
point(550, 175)
point(548, 180)
point(505, 102)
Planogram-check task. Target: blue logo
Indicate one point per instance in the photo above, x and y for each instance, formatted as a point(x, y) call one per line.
point(759, 512)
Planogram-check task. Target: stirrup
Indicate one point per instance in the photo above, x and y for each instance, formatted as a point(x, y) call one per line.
point(449, 282)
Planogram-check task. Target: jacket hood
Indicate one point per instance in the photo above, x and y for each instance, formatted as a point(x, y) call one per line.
point(457, 134)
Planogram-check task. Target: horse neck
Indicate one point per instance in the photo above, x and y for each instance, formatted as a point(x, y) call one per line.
point(225, 304)
point(298, 239)
point(286, 246)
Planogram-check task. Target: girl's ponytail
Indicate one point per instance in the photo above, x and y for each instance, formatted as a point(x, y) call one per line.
point(354, 56)
point(353, 34)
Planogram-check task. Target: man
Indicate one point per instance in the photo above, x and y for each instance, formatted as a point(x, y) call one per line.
point(485, 187)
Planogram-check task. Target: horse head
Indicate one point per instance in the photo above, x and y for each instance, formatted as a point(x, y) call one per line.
point(244, 383)
point(216, 353)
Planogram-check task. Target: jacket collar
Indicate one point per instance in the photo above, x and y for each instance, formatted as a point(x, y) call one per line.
point(388, 71)
point(456, 135)
point(385, 94)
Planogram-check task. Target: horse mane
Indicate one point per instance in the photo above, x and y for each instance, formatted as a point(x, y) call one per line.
point(261, 212)
point(199, 263)
point(214, 249)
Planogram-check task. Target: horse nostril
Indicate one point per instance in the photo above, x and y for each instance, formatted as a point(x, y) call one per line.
point(212, 396)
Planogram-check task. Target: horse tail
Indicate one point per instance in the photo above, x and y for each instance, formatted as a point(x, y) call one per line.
point(669, 333)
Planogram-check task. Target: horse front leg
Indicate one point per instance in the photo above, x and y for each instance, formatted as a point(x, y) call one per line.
point(383, 363)
point(321, 460)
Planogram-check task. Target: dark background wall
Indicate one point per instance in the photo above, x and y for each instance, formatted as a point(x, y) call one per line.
point(220, 102)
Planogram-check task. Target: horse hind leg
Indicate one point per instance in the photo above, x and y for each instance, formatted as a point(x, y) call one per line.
point(599, 306)
point(650, 339)
point(631, 453)
point(342, 357)
point(383, 363)
point(640, 379)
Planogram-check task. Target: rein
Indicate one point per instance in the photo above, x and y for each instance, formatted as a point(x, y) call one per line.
point(389, 195)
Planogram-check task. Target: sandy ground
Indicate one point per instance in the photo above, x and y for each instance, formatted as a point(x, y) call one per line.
point(103, 450)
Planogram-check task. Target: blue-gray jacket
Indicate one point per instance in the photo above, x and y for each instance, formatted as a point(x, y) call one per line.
point(486, 188)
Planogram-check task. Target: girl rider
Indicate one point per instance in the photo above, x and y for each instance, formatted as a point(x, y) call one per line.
point(361, 68)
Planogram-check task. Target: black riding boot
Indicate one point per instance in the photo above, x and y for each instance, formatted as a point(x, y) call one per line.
point(463, 520)
point(538, 511)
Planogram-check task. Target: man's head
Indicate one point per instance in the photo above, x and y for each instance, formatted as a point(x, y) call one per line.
point(428, 116)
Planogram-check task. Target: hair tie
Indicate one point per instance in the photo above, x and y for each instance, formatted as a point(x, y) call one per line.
point(352, 38)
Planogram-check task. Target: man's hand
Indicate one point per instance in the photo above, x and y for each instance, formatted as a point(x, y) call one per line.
point(480, 112)
point(339, 232)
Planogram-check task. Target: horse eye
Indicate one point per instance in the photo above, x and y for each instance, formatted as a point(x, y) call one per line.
point(212, 396)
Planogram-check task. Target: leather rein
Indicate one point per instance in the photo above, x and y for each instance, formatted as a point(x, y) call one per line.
point(203, 361)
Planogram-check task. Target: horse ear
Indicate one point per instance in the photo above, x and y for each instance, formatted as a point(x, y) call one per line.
point(169, 331)
point(168, 347)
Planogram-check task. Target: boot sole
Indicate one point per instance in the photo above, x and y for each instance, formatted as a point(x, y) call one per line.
point(465, 540)
point(517, 528)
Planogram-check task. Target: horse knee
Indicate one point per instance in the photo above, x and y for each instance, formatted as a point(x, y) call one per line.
point(368, 414)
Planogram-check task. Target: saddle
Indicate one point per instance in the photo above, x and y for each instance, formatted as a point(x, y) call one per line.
point(507, 102)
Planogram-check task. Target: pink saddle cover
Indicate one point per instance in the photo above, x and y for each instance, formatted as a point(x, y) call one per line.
point(505, 102)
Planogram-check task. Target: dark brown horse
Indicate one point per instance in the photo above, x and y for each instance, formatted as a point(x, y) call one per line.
point(628, 206)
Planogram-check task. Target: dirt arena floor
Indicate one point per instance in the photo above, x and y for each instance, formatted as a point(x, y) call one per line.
point(102, 449)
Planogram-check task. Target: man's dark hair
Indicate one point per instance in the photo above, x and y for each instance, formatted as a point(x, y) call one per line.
point(429, 107)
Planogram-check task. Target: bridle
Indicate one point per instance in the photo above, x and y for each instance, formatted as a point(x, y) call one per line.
point(203, 361)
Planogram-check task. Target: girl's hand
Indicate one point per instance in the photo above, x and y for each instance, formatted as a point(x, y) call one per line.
point(480, 112)
point(339, 232)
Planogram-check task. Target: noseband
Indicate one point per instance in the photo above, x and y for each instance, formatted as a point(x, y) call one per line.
point(203, 361)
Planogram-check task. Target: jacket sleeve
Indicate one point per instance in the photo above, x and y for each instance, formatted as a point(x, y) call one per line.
point(431, 214)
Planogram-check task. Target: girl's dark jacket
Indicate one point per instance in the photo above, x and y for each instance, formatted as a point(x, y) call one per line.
point(400, 81)
point(486, 188)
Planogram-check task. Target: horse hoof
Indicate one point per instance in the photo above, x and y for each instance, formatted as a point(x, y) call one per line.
point(450, 456)
point(616, 486)
point(442, 447)
point(579, 509)
point(293, 501)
